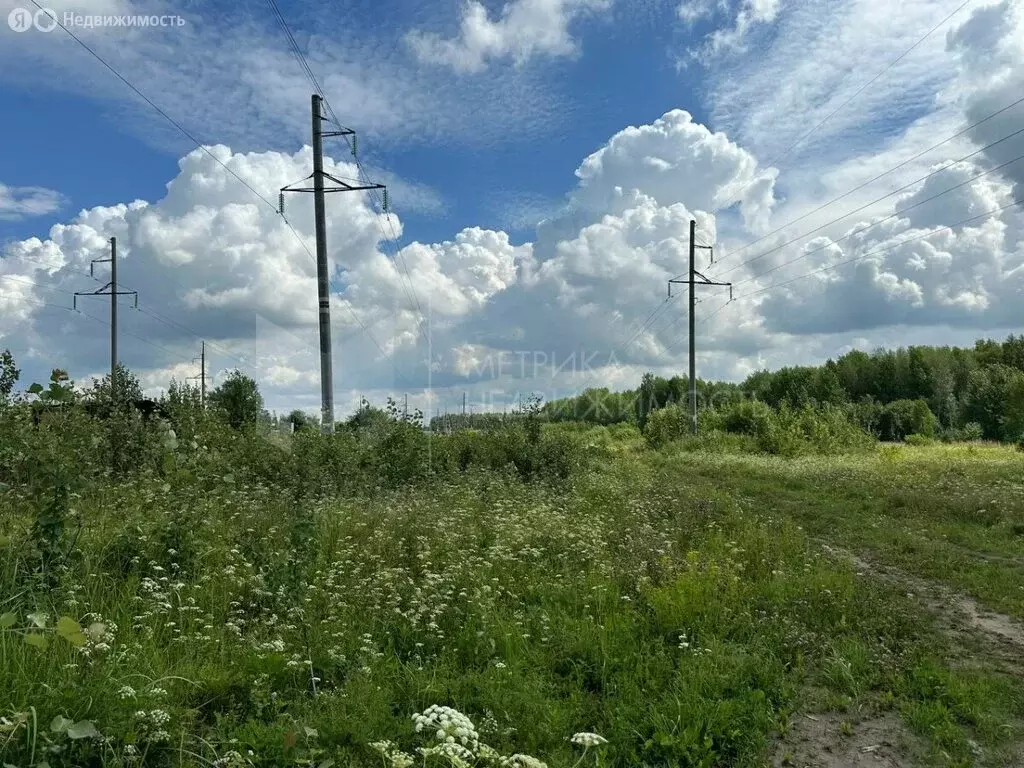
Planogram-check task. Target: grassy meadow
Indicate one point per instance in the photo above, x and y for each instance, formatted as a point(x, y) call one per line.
point(228, 606)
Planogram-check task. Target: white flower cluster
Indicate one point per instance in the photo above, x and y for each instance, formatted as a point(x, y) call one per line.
point(686, 645)
point(99, 636)
point(522, 761)
point(587, 740)
point(457, 755)
point(457, 741)
point(392, 755)
point(448, 725)
point(153, 723)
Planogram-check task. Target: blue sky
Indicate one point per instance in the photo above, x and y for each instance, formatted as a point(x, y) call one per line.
point(78, 146)
point(614, 122)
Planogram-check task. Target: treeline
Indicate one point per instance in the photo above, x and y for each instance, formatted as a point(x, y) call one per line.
point(948, 392)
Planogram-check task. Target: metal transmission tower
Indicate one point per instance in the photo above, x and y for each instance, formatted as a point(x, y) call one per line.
point(696, 278)
point(323, 276)
point(110, 289)
point(201, 376)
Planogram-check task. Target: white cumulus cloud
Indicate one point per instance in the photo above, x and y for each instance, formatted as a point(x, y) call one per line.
point(525, 28)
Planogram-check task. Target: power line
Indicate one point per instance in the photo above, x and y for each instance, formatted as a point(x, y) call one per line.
point(922, 236)
point(937, 171)
point(34, 301)
point(20, 279)
point(145, 98)
point(891, 216)
point(198, 144)
point(348, 135)
point(868, 84)
point(828, 117)
point(140, 338)
point(846, 194)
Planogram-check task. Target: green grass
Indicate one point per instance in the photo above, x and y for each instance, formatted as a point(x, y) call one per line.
point(678, 604)
point(953, 513)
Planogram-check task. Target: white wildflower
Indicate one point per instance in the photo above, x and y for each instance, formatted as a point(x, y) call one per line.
point(587, 740)
point(523, 761)
point(448, 725)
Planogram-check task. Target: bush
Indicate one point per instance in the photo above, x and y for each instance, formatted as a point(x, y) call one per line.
point(906, 417)
point(666, 424)
point(751, 417)
point(782, 432)
point(717, 441)
point(969, 433)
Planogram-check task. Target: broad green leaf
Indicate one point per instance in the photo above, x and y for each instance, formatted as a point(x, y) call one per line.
point(8, 620)
point(83, 729)
point(59, 724)
point(71, 631)
point(326, 764)
point(77, 639)
point(36, 640)
point(68, 626)
point(39, 619)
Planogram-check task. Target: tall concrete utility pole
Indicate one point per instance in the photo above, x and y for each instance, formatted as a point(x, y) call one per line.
point(323, 275)
point(202, 373)
point(110, 289)
point(201, 376)
point(693, 281)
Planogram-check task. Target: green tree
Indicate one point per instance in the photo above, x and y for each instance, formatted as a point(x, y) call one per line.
point(129, 389)
point(826, 386)
point(921, 373)
point(1013, 351)
point(300, 420)
point(988, 394)
point(1013, 410)
point(238, 399)
point(8, 374)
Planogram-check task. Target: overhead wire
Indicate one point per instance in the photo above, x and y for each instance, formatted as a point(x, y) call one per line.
point(877, 251)
point(868, 84)
point(905, 187)
point(872, 180)
point(894, 215)
point(832, 114)
point(203, 148)
point(410, 292)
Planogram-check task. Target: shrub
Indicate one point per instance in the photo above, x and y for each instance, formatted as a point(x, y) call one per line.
point(906, 417)
point(970, 432)
point(666, 424)
point(750, 417)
